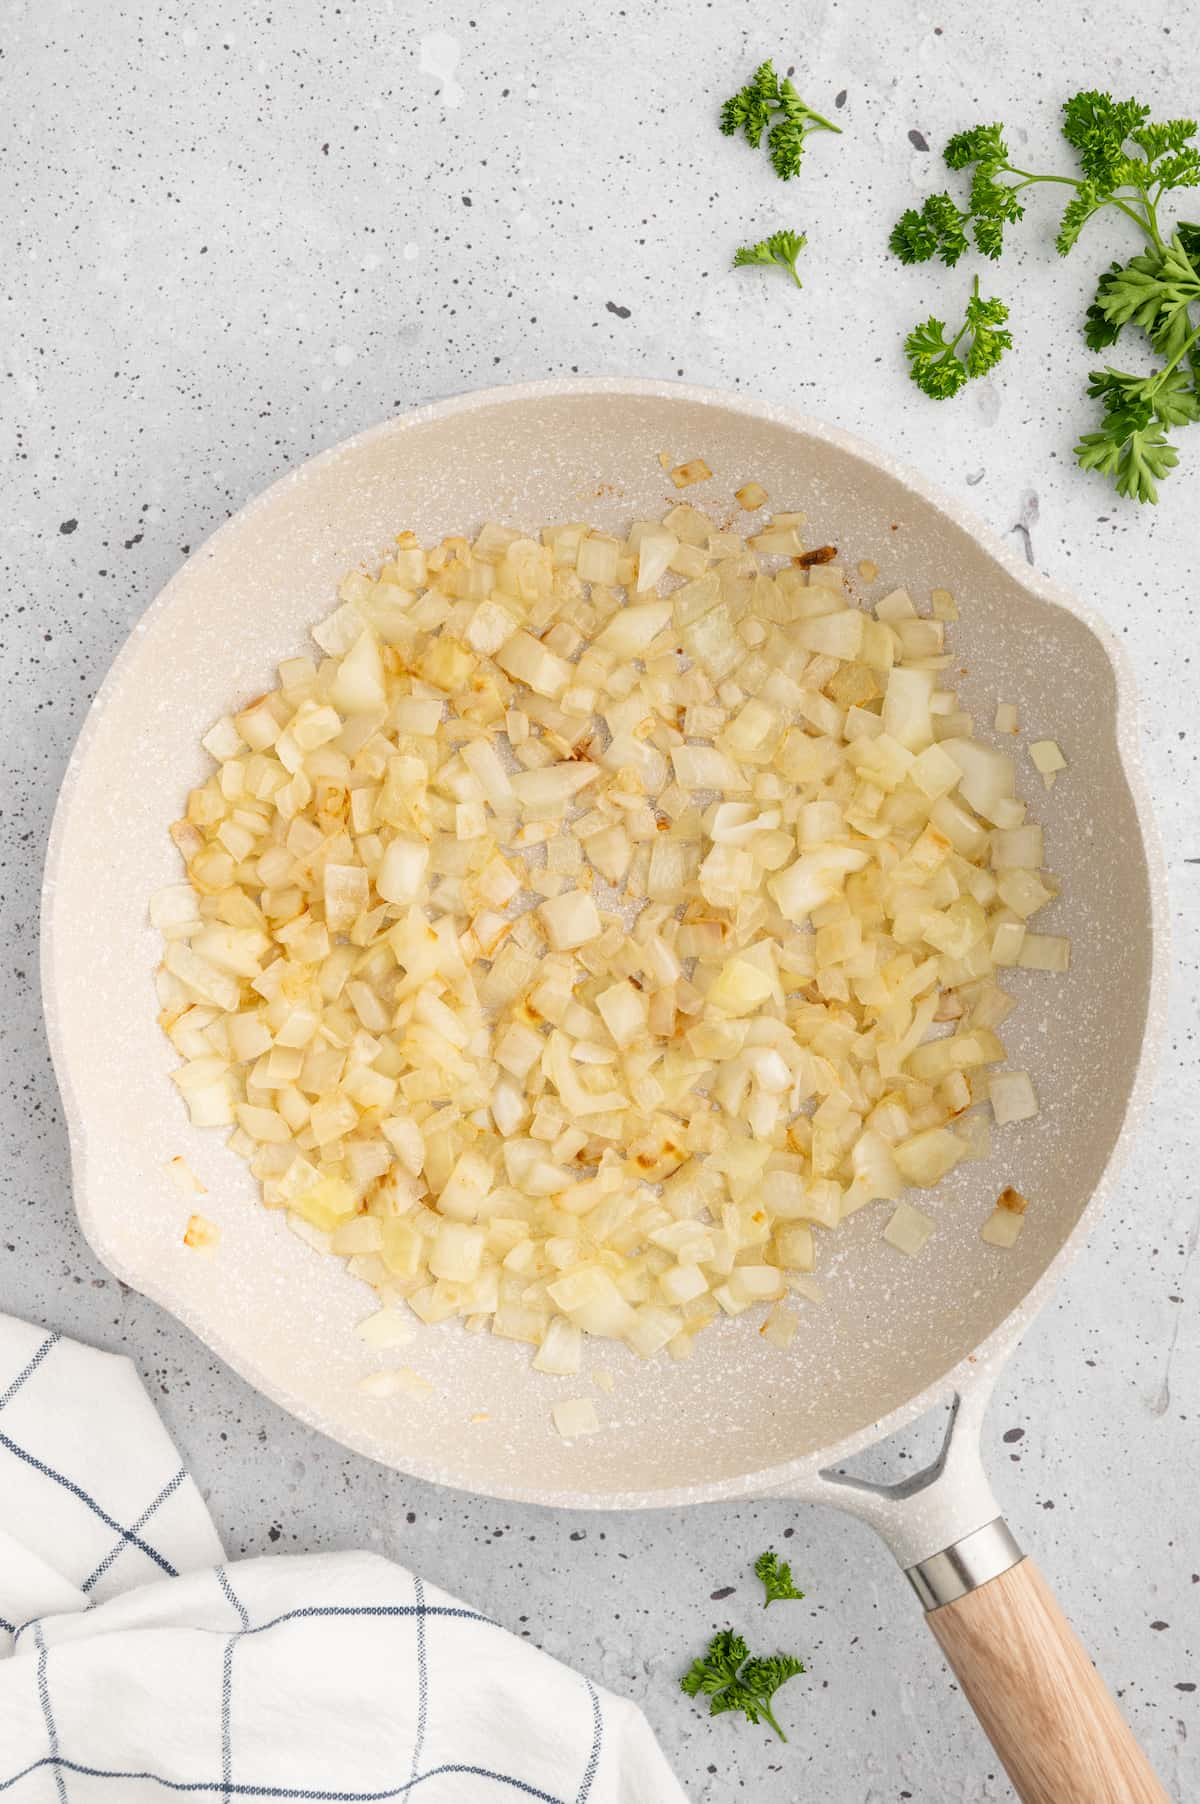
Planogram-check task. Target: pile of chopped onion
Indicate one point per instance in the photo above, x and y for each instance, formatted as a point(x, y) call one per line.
point(597, 923)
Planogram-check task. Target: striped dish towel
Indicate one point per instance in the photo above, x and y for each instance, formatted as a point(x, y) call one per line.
point(135, 1664)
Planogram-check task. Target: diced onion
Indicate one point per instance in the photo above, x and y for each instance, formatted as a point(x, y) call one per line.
point(386, 1328)
point(561, 1351)
point(1012, 1097)
point(570, 920)
point(575, 1416)
point(1044, 952)
point(597, 925)
point(780, 1327)
point(201, 1234)
point(1002, 1229)
point(1003, 1226)
point(1046, 756)
point(184, 1177)
point(684, 475)
point(908, 1229)
point(928, 1156)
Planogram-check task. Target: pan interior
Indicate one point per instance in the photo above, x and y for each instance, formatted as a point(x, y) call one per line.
point(284, 1316)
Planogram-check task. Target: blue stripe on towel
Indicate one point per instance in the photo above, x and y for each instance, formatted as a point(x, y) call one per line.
point(68, 1484)
point(307, 1610)
point(589, 1773)
point(43, 1685)
point(422, 1680)
point(303, 1793)
point(168, 1490)
point(51, 1340)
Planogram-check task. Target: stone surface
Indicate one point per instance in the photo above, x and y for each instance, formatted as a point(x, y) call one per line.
point(235, 235)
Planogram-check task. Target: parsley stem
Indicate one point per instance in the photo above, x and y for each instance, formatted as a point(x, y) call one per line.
point(764, 1711)
point(1152, 217)
point(1147, 225)
point(963, 328)
point(1069, 181)
point(1179, 356)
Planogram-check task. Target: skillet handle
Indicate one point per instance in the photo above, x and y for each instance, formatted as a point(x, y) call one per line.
point(1048, 1713)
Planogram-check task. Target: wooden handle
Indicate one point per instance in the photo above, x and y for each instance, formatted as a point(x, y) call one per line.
point(1049, 1714)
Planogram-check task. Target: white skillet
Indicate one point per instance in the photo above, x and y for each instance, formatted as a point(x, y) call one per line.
point(896, 1336)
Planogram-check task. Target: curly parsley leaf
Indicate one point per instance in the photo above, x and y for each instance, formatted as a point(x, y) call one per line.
point(934, 361)
point(1187, 238)
point(769, 105)
point(1178, 400)
point(1181, 171)
point(1101, 130)
point(980, 144)
point(1086, 200)
point(1131, 446)
point(936, 230)
point(781, 247)
point(1135, 458)
point(990, 338)
point(1168, 398)
point(731, 1680)
point(1168, 134)
point(786, 139)
point(776, 1576)
point(718, 1667)
point(1156, 291)
point(750, 109)
point(1098, 127)
point(1136, 292)
point(993, 206)
point(940, 228)
point(1099, 330)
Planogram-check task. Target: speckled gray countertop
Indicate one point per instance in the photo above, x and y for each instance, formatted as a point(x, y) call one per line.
point(234, 235)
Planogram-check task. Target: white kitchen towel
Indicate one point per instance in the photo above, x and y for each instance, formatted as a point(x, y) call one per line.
point(135, 1665)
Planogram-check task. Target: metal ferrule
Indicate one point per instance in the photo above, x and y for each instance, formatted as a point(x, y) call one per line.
point(965, 1565)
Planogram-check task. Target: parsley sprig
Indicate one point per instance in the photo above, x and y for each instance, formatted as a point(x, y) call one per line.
point(1131, 446)
point(1100, 129)
point(934, 361)
point(1128, 163)
point(731, 1680)
point(776, 1576)
point(781, 247)
point(769, 105)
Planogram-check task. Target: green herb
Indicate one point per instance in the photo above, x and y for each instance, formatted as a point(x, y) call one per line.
point(1099, 129)
point(776, 1576)
point(938, 226)
point(769, 105)
point(1131, 446)
point(1127, 163)
point(1153, 291)
point(934, 362)
point(781, 247)
point(731, 1680)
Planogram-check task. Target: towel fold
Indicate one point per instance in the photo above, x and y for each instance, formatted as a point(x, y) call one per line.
point(135, 1663)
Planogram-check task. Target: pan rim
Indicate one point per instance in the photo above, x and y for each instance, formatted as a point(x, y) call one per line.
point(791, 1477)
